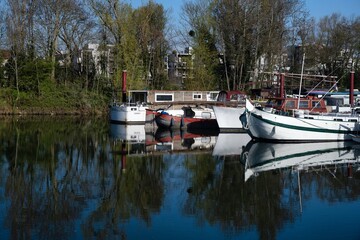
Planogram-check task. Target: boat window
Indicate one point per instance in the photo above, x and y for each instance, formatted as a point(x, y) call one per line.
point(274, 103)
point(316, 104)
point(164, 97)
point(290, 104)
point(304, 104)
point(238, 97)
point(197, 96)
point(212, 96)
point(352, 120)
point(331, 101)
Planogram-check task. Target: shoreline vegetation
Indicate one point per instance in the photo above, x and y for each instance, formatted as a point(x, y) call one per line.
point(51, 111)
point(69, 102)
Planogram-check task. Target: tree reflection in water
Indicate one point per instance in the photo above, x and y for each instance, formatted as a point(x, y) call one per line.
point(220, 197)
point(64, 177)
point(53, 168)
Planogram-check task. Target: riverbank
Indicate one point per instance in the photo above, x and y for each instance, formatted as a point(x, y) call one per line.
point(56, 103)
point(52, 111)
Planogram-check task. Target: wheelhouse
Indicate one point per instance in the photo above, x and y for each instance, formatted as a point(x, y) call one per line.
point(312, 104)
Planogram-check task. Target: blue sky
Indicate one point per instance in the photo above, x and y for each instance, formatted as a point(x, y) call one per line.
point(317, 8)
point(321, 8)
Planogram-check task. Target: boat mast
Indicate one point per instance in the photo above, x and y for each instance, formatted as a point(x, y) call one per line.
point(301, 78)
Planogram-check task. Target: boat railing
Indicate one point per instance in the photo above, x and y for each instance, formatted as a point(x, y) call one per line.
point(336, 116)
point(130, 104)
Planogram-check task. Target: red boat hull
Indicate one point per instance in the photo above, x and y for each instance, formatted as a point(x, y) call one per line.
point(168, 121)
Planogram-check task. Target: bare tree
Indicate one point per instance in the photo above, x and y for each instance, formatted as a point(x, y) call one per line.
point(242, 32)
point(51, 16)
point(202, 30)
point(18, 17)
point(77, 30)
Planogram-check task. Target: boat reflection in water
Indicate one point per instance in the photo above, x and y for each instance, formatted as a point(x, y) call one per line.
point(141, 139)
point(131, 133)
point(129, 139)
point(181, 140)
point(330, 156)
point(231, 144)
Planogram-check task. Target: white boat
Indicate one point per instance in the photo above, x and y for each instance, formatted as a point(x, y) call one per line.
point(128, 113)
point(266, 156)
point(301, 126)
point(228, 118)
point(227, 115)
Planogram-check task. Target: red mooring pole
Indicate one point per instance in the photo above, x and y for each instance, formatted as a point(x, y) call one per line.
point(124, 86)
point(282, 84)
point(351, 97)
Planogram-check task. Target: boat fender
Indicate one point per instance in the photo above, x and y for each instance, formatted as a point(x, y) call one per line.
point(171, 122)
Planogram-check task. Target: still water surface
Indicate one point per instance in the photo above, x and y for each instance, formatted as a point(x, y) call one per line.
point(73, 178)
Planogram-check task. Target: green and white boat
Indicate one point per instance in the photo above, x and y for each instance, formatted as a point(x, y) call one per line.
point(300, 126)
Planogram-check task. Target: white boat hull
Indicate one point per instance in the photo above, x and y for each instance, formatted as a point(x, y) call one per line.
point(127, 114)
point(274, 127)
point(228, 118)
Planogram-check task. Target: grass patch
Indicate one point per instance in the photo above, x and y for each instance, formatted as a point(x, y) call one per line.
point(54, 99)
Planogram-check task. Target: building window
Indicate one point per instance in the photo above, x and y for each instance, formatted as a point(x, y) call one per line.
point(197, 96)
point(164, 97)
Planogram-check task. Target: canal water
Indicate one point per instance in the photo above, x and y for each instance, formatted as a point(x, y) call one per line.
point(75, 178)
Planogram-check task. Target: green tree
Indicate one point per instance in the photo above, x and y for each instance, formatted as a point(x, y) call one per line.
point(150, 26)
point(116, 21)
point(139, 40)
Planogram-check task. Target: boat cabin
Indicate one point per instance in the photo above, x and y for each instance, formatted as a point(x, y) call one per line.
point(235, 96)
point(309, 103)
point(338, 101)
point(156, 97)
